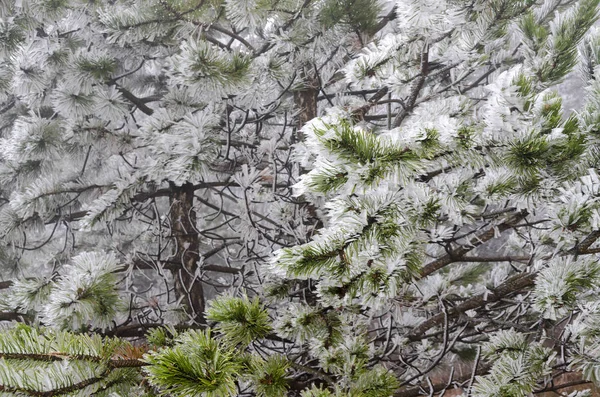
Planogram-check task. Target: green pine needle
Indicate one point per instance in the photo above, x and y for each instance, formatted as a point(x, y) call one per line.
point(239, 320)
point(197, 366)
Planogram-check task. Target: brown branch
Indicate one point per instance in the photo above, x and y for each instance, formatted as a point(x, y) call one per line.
point(143, 196)
point(140, 103)
point(6, 284)
point(58, 391)
point(509, 258)
point(14, 316)
point(414, 391)
point(140, 330)
point(171, 265)
point(270, 44)
point(513, 284)
point(59, 356)
point(360, 113)
point(230, 34)
point(583, 247)
point(386, 19)
point(590, 251)
point(73, 216)
point(221, 269)
point(54, 392)
point(457, 254)
point(218, 249)
point(314, 372)
point(416, 89)
point(561, 386)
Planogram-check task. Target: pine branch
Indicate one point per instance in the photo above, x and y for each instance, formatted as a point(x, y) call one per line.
point(289, 23)
point(555, 387)
point(314, 372)
point(360, 113)
point(231, 34)
point(386, 19)
point(583, 246)
point(457, 254)
point(513, 284)
point(58, 356)
point(220, 248)
point(140, 103)
point(416, 89)
point(508, 258)
point(171, 265)
point(52, 393)
point(14, 316)
point(415, 391)
point(141, 330)
point(5, 284)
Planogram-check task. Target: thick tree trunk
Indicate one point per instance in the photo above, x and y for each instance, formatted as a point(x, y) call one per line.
point(305, 100)
point(188, 286)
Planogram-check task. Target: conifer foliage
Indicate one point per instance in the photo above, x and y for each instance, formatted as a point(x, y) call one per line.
point(315, 198)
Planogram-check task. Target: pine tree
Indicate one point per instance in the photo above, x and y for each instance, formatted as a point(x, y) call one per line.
point(351, 198)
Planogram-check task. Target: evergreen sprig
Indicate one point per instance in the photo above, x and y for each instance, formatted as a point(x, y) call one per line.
point(377, 382)
point(566, 35)
point(37, 361)
point(239, 320)
point(270, 377)
point(198, 365)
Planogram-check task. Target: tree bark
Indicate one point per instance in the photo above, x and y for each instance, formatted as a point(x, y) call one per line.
point(305, 100)
point(188, 286)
